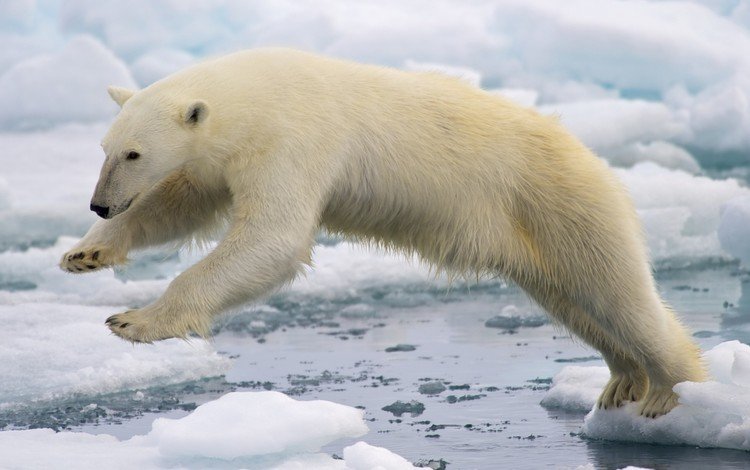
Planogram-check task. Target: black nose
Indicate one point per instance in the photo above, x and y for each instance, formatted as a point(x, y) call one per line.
point(100, 211)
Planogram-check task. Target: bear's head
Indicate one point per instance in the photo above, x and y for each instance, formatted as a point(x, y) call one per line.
point(152, 136)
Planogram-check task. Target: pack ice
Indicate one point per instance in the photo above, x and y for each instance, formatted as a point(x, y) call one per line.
point(710, 414)
point(253, 430)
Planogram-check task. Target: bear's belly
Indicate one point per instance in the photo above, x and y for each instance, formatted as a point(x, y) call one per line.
point(457, 236)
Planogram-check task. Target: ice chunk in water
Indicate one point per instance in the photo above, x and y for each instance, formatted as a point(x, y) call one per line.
point(242, 423)
point(69, 87)
point(710, 414)
point(254, 430)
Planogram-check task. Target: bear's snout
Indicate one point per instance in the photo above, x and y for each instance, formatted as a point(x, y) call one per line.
point(102, 212)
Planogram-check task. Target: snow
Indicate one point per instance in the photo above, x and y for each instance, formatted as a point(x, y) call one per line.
point(46, 351)
point(468, 75)
point(362, 456)
point(254, 430)
point(45, 90)
point(607, 124)
point(575, 388)
point(680, 212)
point(157, 64)
point(591, 56)
point(257, 424)
point(662, 153)
point(710, 414)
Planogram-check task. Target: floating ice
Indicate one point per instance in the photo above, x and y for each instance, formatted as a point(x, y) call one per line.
point(67, 87)
point(523, 96)
point(660, 152)
point(241, 424)
point(16, 14)
point(157, 64)
point(734, 228)
point(588, 51)
point(609, 124)
point(254, 430)
point(511, 318)
point(52, 351)
point(679, 211)
point(576, 388)
point(619, 45)
point(362, 456)
point(710, 414)
point(340, 268)
point(468, 75)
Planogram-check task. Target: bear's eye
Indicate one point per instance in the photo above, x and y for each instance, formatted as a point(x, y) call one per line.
point(133, 155)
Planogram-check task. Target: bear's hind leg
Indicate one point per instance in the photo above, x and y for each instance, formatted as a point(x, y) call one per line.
point(678, 360)
point(628, 381)
point(656, 340)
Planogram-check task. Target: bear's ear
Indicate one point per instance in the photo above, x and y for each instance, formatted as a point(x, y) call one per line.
point(196, 113)
point(119, 94)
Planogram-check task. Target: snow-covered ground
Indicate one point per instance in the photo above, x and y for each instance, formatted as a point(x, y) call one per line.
point(661, 89)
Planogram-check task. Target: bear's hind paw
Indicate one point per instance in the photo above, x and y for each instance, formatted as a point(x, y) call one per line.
point(621, 388)
point(658, 401)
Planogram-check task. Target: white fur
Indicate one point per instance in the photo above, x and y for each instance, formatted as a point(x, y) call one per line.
point(287, 142)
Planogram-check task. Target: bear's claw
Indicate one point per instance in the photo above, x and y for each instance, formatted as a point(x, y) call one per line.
point(81, 260)
point(622, 388)
point(658, 401)
point(149, 324)
point(126, 330)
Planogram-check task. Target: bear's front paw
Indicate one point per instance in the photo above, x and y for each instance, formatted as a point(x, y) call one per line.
point(136, 326)
point(153, 323)
point(92, 258)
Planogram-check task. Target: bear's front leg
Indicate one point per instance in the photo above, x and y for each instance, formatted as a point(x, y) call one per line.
point(255, 257)
point(173, 210)
point(101, 247)
point(270, 237)
point(157, 322)
point(181, 310)
point(90, 258)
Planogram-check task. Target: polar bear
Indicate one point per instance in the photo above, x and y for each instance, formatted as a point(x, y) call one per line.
point(280, 143)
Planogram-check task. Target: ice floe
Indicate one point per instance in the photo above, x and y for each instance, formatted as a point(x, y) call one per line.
point(710, 414)
point(253, 430)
